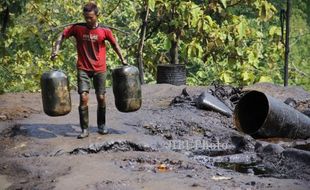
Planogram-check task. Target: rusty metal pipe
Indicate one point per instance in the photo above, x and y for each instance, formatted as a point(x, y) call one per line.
point(261, 115)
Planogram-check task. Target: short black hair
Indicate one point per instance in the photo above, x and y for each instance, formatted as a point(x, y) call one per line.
point(89, 7)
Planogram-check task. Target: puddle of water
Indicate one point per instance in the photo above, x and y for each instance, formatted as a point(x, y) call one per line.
point(4, 183)
point(245, 168)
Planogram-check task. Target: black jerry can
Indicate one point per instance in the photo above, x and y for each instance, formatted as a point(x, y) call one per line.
point(55, 93)
point(127, 88)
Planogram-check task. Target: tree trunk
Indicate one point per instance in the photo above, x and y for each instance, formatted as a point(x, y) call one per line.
point(287, 42)
point(174, 50)
point(4, 25)
point(6, 17)
point(141, 44)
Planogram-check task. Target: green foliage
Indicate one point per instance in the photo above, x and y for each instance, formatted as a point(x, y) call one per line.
point(220, 43)
point(232, 41)
point(300, 44)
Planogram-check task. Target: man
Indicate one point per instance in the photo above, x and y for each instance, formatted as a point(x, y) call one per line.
point(91, 63)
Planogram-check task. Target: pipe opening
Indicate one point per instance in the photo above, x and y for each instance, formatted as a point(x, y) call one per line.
point(251, 112)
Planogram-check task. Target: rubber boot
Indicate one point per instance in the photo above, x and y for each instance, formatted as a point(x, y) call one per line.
point(102, 129)
point(83, 112)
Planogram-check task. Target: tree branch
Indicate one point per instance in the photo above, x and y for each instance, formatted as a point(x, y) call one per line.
point(294, 68)
point(109, 14)
point(237, 3)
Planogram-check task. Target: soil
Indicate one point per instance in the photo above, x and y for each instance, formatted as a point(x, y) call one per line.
point(168, 144)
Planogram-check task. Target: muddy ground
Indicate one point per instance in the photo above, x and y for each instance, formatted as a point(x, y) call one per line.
point(161, 146)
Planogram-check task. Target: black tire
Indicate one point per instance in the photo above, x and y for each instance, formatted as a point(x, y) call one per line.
point(171, 74)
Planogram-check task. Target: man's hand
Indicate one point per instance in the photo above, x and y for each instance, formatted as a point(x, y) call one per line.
point(53, 56)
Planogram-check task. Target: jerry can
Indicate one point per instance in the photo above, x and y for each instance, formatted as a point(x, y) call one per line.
point(127, 88)
point(55, 93)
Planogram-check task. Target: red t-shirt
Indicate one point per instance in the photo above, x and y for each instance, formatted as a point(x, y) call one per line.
point(90, 46)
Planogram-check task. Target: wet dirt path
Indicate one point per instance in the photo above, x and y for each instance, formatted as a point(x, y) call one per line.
point(157, 147)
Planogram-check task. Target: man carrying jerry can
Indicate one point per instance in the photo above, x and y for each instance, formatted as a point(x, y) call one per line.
point(91, 64)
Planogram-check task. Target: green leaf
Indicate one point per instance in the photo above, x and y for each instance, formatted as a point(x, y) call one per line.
point(239, 51)
point(265, 79)
point(201, 74)
point(241, 27)
point(209, 19)
point(224, 2)
point(226, 78)
point(151, 4)
point(266, 11)
point(167, 45)
point(245, 76)
point(199, 49)
point(274, 30)
point(196, 13)
point(189, 50)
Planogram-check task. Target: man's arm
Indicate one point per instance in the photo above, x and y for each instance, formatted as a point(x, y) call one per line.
point(117, 49)
point(56, 48)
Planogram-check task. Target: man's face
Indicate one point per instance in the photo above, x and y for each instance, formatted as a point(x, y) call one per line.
point(90, 18)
